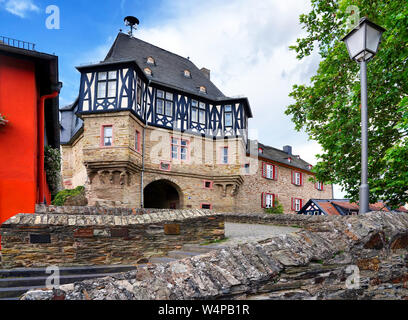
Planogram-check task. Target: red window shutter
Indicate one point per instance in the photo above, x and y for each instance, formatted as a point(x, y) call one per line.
point(301, 178)
point(263, 200)
point(263, 169)
point(291, 207)
point(273, 200)
point(293, 178)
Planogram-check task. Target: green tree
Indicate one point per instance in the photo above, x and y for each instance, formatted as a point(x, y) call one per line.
point(329, 108)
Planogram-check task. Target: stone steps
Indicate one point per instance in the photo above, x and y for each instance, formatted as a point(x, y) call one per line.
point(15, 282)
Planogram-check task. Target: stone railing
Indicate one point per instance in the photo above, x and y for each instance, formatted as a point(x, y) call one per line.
point(69, 239)
point(355, 257)
point(103, 210)
point(290, 220)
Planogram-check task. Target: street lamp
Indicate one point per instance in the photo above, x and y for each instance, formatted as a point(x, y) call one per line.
point(362, 44)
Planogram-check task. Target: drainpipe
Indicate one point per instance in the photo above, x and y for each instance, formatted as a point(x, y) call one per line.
point(41, 128)
point(144, 151)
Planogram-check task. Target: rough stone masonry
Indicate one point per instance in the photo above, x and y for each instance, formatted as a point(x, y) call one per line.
point(74, 236)
point(313, 263)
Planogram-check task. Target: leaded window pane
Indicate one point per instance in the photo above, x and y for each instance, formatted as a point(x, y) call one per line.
point(169, 108)
point(202, 116)
point(228, 120)
point(194, 115)
point(160, 106)
point(101, 89)
point(228, 108)
point(183, 153)
point(169, 96)
point(112, 89)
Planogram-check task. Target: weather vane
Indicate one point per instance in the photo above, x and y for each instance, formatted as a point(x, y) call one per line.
point(132, 22)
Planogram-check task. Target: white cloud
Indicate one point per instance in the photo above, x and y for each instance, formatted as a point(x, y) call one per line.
point(19, 7)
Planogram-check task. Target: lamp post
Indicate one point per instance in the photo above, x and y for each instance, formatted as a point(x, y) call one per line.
point(362, 44)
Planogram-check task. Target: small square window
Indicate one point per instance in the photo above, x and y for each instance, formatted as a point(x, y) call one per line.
point(228, 108)
point(208, 184)
point(165, 166)
point(169, 96)
point(206, 206)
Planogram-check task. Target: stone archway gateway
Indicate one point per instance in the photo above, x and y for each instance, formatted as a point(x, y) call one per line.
point(162, 194)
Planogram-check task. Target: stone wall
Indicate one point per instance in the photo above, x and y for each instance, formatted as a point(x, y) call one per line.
point(101, 236)
point(309, 264)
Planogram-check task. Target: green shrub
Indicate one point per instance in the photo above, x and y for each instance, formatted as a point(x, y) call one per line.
point(277, 208)
point(62, 196)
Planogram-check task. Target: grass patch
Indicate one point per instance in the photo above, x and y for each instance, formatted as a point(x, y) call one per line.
point(296, 226)
point(214, 242)
point(62, 196)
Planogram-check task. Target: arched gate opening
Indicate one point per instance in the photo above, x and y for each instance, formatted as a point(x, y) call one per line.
point(162, 194)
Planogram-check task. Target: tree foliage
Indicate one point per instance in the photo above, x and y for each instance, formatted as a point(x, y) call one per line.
point(52, 164)
point(329, 108)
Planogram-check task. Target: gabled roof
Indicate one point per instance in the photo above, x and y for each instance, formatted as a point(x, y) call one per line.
point(277, 155)
point(168, 68)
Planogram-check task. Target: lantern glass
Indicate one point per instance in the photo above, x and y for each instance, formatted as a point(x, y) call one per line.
point(373, 37)
point(362, 42)
point(355, 43)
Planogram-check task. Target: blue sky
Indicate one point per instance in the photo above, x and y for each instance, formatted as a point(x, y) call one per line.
point(243, 42)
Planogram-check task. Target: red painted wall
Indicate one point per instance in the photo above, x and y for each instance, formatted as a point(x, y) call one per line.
point(18, 138)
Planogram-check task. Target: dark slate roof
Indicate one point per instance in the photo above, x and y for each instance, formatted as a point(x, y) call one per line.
point(70, 123)
point(168, 69)
point(281, 156)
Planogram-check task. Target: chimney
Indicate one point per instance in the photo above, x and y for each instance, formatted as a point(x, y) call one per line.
point(206, 72)
point(288, 150)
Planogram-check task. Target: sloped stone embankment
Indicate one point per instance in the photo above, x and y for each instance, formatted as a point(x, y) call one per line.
point(368, 252)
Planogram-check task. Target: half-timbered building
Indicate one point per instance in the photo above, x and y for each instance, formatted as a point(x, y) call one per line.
point(150, 129)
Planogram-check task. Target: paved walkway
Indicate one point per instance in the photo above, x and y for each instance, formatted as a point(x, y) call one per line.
point(243, 232)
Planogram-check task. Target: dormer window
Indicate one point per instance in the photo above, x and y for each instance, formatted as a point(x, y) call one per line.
point(310, 167)
point(187, 73)
point(150, 60)
point(148, 71)
point(203, 89)
point(260, 150)
point(289, 159)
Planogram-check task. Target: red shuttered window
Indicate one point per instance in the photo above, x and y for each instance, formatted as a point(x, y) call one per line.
point(268, 200)
point(269, 171)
